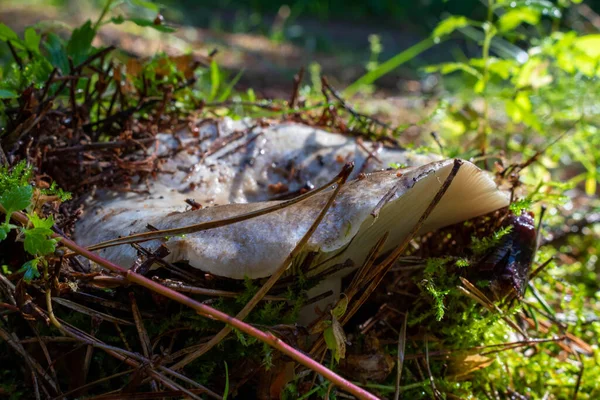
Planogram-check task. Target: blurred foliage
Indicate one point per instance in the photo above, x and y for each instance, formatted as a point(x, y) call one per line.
point(548, 89)
point(248, 15)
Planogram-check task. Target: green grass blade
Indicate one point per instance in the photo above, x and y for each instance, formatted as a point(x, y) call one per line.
point(226, 391)
point(389, 66)
point(229, 88)
point(215, 80)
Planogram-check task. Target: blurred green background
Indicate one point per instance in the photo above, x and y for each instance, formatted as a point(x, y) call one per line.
point(270, 40)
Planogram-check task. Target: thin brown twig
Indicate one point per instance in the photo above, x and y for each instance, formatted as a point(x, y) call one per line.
point(521, 166)
point(471, 291)
point(166, 394)
point(3, 159)
point(241, 146)
point(579, 376)
point(72, 88)
point(355, 286)
point(436, 393)
point(495, 348)
point(371, 154)
point(47, 87)
point(357, 115)
point(14, 54)
point(24, 128)
point(401, 355)
point(89, 311)
point(264, 105)
point(131, 359)
point(44, 348)
point(539, 269)
point(96, 382)
point(103, 146)
point(35, 367)
point(183, 288)
point(297, 81)
point(93, 57)
point(142, 333)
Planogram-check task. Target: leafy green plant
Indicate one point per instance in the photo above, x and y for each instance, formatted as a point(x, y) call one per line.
point(542, 89)
point(16, 194)
point(37, 53)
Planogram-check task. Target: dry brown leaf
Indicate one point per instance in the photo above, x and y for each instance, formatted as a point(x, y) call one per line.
point(463, 365)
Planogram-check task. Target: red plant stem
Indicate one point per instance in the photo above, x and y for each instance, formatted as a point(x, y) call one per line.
point(210, 312)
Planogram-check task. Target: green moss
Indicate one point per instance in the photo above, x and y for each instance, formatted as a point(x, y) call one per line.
point(481, 246)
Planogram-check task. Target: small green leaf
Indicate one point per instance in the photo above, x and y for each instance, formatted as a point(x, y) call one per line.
point(163, 28)
point(450, 67)
point(54, 190)
point(16, 198)
point(145, 4)
point(438, 297)
point(32, 40)
point(7, 34)
point(462, 263)
point(513, 18)
point(340, 308)
point(320, 326)
point(4, 229)
point(57, 53)
point(143, 22)
point(480, 246)
point(589, 44)
point(544, 7)
point(396, 165)
point(31, 270)
point(449, 25)
point(79, 46)
point(38, 239)
point(520, 205)
point(502, 68)
point(44, 223)
point(330, 339)
point(118, 20)
point(335, 339)
point(8, 94)
point(251, 95)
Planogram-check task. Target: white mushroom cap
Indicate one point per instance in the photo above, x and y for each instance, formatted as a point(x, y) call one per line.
point(255, 248)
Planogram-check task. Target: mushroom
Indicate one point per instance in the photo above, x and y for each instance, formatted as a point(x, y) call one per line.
point(366, 208)
point(256, 247)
